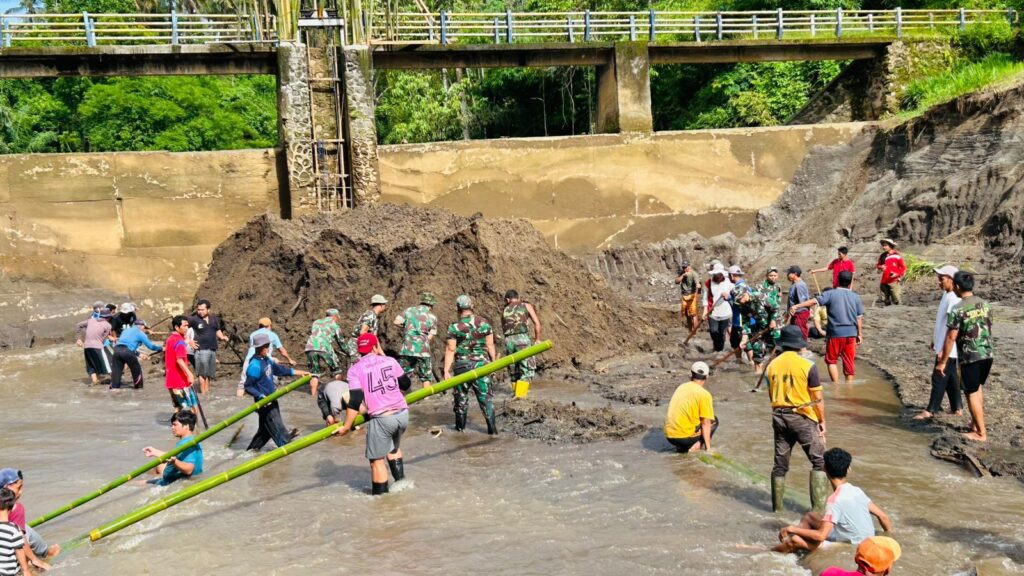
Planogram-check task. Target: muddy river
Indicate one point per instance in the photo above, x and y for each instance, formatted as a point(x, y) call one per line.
point(477, 505)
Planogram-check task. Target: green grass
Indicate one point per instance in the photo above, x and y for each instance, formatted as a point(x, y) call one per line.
point(963, 78)
point(917, 267)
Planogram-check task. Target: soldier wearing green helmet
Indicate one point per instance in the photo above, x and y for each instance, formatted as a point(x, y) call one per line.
point(419, 326)
point(516, 319)
point(470, 345)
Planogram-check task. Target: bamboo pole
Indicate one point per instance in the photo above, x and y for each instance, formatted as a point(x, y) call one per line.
point(167, 455)
point(301, 443)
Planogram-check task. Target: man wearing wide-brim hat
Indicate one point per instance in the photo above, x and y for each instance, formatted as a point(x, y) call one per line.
point(798, 415)
point(891, 263)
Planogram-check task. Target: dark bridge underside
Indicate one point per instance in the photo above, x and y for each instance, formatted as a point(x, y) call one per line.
point(220, 59)
point(596, 54)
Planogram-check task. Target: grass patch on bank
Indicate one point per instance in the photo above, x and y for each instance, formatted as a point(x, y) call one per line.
point(963, 78)
point(917, 267)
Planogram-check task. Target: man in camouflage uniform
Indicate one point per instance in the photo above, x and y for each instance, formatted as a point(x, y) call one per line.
point(969, 328)
point(470, 345)
point(515, 320)
point(323, 334)
point(760, 320)
point(770, 287)
point(368, 322)
point(420, 326)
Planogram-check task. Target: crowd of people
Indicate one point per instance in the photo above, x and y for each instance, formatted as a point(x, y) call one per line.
point(756, 323)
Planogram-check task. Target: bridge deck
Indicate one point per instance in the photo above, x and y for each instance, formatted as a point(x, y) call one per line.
point(159, 60)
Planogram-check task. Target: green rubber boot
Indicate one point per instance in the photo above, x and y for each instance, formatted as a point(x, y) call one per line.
point(778, 491)
point(819, 490)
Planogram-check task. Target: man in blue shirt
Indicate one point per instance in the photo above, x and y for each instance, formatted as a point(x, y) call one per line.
point(845, 325)
point(259, 383)
point(186, 464)
point(126, 352)
point(275, 345)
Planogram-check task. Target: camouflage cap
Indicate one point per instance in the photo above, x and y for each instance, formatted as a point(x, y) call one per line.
point(333, 312)
point(378, 299)
point(463, 302)
point(428, 298)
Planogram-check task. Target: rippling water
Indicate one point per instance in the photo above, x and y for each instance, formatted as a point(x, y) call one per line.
point(477, 505)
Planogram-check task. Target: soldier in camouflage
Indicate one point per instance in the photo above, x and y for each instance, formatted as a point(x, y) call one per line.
point(969, 329)
point(323, 335)
point(420, 327)
point(470, 345)
point(770, 287)
point(760, 319)
point(368, 322)
point(515, 326)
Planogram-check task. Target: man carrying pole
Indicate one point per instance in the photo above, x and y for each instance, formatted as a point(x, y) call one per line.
point(376, 390)
point(845, 328)
point(179, 378)
point(259, 383)
point(470, 345)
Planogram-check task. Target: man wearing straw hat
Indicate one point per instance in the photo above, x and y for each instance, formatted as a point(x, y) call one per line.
point(891, 263)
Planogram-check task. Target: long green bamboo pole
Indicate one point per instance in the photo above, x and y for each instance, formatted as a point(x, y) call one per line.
point(301, 443)
point(167, 455)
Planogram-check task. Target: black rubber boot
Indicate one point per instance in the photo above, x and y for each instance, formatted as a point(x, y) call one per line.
point(460, 422)
point(397, 469)
point(492, 426)
point(379, 488)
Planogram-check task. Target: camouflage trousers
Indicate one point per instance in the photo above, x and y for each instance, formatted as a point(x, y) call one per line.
point(481, 387)
point(762, 346)
point(422, 366)
point(526, 369)
point(323, 363)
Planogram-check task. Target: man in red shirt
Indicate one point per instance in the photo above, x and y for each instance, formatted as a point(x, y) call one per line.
point(842, 263)
point(891, 263)
point(179, 378)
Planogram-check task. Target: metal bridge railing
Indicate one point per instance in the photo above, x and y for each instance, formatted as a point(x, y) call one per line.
point(654, 26)
point(125, 29)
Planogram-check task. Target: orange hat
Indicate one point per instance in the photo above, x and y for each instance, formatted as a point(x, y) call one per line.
point(878, 553)
point(265, 322)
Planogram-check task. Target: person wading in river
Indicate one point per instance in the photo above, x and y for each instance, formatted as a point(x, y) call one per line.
point(368, 323)
point(970, 333)
point(208, 332)
point(690, 422)
point(265, 328)
point(798, 415)
point(127, 352)
point(717, 309)
point(178, 377)
point(470, 345)
point(690, 290)
point(188, 463)
point(948, 382)
point(844, 329)
point(419, 326)
point(91, 335)
point(516, 320)
point(798, 293)
point(259, 383)
point(35, 546)
point(376, 383)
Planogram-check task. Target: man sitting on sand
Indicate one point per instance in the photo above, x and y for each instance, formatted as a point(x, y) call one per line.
point(690, 422)
point(185, 465)
point(875, 556)
point(847, 517)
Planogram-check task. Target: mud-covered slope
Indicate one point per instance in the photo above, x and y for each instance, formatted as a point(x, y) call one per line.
point(294, 270)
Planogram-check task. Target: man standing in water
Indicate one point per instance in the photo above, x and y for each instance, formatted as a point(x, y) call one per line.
point(323, 335)
point(470, 345)
point(188, 463)
point(970, 334)
point(266, 329)
point(127, 352)
point(760, 321)
point(690, 422)
point(798, 293)
point(948, 382)
point(368, 323)
point(690, 289)
point(208, 332)
point(419, 326)
point(259, 383)
point(91, 336)
point(515, 325)
point(798, 415)
point(845, 325)
point(178, 377)
point(718, 307)
point(376, 391)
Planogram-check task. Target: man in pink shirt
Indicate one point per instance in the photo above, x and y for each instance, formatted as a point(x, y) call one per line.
point(92, 335)
point(376, 383)
point(179, 378)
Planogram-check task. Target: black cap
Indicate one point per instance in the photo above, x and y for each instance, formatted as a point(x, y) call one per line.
point(511, 294)
point(791, 337)
point(794, 270)
point(845, 277)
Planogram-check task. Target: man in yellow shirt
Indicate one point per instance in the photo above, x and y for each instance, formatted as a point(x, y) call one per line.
point(798, 415)
point(691, 421)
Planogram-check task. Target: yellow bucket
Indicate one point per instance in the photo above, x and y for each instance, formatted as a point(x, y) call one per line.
point(520, 388)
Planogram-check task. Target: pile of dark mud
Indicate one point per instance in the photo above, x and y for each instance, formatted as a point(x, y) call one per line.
point(294, 270)
point(557, 423)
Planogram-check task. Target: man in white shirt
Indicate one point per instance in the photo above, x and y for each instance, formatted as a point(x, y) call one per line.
point(947, 382)
point(717, 308)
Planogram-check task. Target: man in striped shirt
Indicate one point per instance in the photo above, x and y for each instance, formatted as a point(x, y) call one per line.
point(12, 544)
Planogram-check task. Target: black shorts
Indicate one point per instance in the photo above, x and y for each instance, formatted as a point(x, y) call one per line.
point(684, 444)
point(973, 375)
point(736, 336)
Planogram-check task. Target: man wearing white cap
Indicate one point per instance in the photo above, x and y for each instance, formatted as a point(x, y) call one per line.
point(690, 422)
point(736, 331)
point(947, 382)
point(717, 308)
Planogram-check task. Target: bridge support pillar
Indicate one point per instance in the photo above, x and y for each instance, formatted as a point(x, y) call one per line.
point(624, 90)
point(294, 125)
point(362, 127)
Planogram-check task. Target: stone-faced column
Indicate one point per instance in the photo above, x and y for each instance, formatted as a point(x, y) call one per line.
point(362, 126)
point(624, 90)
point(295, 126)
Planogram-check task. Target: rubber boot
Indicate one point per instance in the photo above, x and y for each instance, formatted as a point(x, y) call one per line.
point(379, 488)
point(819, 490)
point(492, 426)
point(778, 492)
point(460, 422)
point(397, 469)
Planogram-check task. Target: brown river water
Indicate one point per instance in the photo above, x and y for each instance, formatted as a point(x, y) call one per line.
point(478, 505)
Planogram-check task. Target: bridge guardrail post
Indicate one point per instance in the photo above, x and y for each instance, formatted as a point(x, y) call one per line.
point(963, 19)
point(871, 23)
point(5, 39)
point(90, 33)
point(508, 27)
point(651, 35)
point(899, 22)
point(780, 26)
point(839, 22)
point(718, 25)
point(814, 26)
point(632, 28)
point(568, 27)
point(444, 27)
point(174, 27)
point(696, 28)
point(497, 31)
point(753, 23)
point(1011, 16)
point(586, 25)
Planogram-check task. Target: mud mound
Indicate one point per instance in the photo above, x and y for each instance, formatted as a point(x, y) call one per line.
point(557, 423)
point(294, 270)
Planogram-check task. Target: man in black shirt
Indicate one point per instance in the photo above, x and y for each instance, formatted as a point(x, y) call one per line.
point(207, 328)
